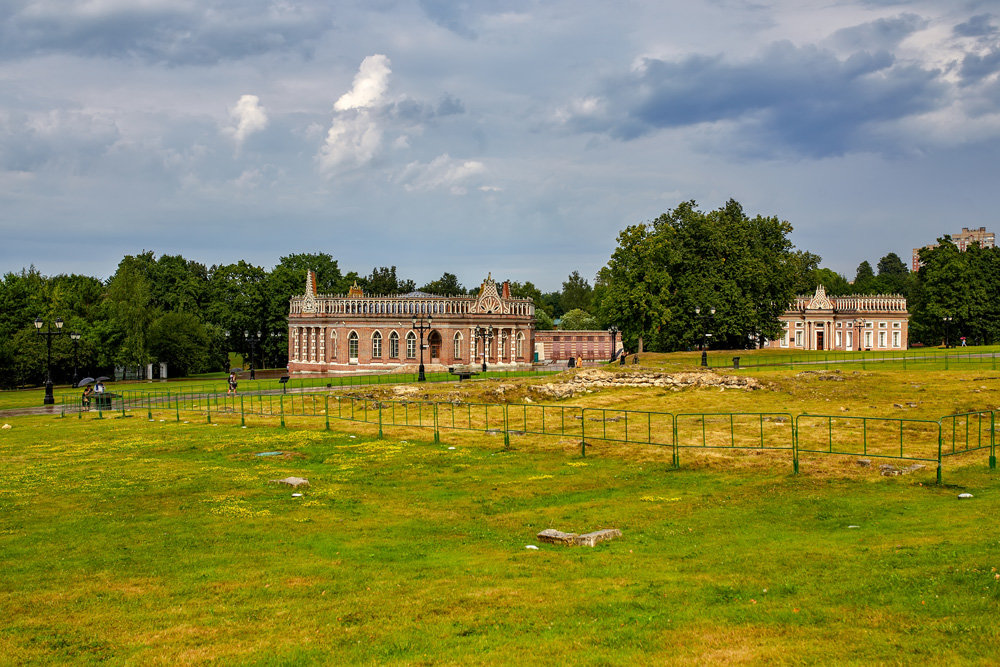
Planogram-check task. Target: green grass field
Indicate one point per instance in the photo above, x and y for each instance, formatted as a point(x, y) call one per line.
point(126, 540)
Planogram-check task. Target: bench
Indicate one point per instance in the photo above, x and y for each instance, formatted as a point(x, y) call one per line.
point(463, 373)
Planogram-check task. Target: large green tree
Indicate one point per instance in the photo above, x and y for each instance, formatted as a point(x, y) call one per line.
point(180, 340)
point(130, 306)
point(576, 293)
point(578, 320)
point(239, 303)
point(383, 280)
point(447, 284)
point(864, 279)
point(742, 266)
point(633, 288)
point(893, 275)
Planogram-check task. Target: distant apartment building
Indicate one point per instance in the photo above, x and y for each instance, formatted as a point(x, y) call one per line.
point(961, 240)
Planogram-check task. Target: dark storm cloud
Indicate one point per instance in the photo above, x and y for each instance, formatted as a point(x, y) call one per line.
point(449, 106)
point(805, 98)
point(177, 33)
point(414, 110)
point(975, 68)
point(980, 25)
point(884, 33)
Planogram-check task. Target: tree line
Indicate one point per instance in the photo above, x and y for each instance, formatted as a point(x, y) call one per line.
point(191, 316)
point(686, 277)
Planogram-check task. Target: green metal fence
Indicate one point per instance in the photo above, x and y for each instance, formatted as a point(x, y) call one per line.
point(733, 430)
point(916, 440)
point(969, 431)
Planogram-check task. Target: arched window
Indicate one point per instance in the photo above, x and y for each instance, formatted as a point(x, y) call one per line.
point(434, 343)
point(458, 345)
point(519, 345)
point(333, 344)
point(377, 345)
point(411, 345)
point(352, 346)
point(394, 345)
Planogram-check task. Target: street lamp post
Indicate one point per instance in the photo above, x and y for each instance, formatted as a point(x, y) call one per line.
point(860, 324)
point(485, 334)
point(613, 330)
point(75, 335)
point(947, 329)
point(707, 317)
point(422, 327)
point(253, 339)
point(48, 333)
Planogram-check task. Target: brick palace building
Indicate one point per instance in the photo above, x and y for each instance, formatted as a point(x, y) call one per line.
point(868, 322)
point(358, 332)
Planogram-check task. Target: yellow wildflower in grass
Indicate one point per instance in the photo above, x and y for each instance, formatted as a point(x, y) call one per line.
point(658, 499)
point(238, 509)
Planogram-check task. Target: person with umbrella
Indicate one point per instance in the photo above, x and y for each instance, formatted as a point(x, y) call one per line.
point(88, 391)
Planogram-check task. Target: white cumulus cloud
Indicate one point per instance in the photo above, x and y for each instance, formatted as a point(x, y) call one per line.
point(355, 135)
point(249, 117)
point(370, 84)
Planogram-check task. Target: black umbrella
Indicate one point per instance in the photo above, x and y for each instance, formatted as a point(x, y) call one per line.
point(84, 382)
point(235, 370)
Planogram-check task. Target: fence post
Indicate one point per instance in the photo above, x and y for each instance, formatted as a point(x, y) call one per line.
point(243, 419)
point(281, 406)
point(939, 453)
point(380, 436)
point(326, 410)
point(677, 451)
point(177, 407)
point(437, 434)
point(795, 446)
point(506, 427)
point(122, 399)
point(993, 451)
point(583, 432)
point(149, 408)
point(208, 408)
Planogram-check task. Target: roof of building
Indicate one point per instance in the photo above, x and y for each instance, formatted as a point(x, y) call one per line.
point(415, 294)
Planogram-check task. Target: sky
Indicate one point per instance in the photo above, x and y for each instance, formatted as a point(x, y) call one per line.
point(517, 138)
